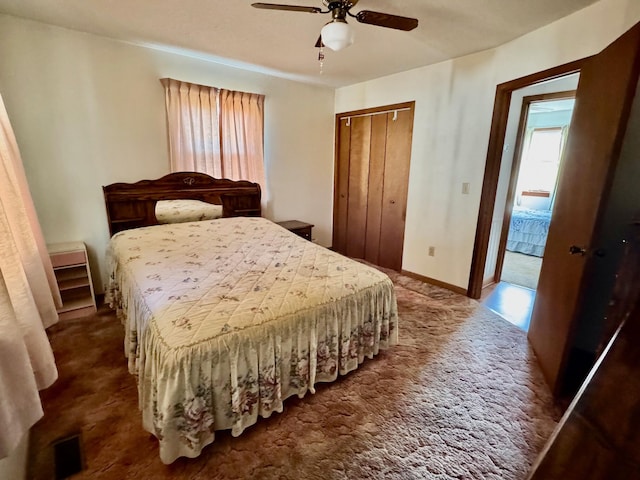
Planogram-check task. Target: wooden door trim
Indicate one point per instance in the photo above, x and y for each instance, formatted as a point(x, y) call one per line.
point(494, 159)
point(373, 110)
point(515, 170)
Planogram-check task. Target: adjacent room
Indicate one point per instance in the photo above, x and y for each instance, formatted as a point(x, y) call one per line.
point(257, 240)
point(537, 132)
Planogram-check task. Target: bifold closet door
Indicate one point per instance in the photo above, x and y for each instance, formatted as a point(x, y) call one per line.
point(372, 171)
point(396, 182)
point(375, 197)
point(358, 187)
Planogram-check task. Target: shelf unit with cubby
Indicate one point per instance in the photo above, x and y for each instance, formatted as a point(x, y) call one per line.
point(73, 275)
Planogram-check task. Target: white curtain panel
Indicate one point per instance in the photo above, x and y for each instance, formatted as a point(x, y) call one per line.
point(27, 303)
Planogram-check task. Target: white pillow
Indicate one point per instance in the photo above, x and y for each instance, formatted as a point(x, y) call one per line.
point(179, 211)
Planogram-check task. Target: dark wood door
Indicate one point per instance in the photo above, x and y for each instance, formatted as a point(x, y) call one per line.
point(394, 193)
point(605, 91)
point(358, 186)
point(373, 151)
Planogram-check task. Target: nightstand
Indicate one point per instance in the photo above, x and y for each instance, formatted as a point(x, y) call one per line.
point(71, 268)
point(299, 228)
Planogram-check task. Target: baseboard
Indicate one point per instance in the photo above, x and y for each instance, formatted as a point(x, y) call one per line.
point(488, 283)
point(437, 283)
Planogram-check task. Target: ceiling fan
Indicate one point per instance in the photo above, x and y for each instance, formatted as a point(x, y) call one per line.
point(338, 34)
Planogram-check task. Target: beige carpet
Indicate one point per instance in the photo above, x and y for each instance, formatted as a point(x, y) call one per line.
point(461, 397)
point(521, 269)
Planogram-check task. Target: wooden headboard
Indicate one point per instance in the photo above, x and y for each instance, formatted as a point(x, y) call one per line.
point(132, 205)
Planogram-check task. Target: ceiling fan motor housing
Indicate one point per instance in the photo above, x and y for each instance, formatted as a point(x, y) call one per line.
point(338, 34)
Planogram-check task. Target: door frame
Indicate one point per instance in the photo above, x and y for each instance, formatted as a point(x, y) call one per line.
point(515, 170)
point(494, 159)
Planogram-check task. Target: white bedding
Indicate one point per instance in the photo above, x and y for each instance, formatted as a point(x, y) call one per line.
point(528, 231)
point(184, 210)
point(225, 319)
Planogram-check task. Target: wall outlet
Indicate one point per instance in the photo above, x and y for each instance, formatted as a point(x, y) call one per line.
point(465, 188)
point(432, 251)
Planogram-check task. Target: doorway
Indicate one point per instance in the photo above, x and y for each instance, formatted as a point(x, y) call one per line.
point(542, 134)
point(536, 131)
point(561, 327)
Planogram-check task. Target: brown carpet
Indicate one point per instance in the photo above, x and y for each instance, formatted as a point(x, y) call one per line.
point(461, 397)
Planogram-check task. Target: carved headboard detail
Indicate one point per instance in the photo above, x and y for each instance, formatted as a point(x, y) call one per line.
point(132, 205)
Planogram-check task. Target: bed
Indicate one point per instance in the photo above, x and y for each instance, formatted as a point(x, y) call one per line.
point(528, 231)
point(226, 318)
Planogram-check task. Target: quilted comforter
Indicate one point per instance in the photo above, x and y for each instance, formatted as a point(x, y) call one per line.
point(528, 231)
point(224, 319)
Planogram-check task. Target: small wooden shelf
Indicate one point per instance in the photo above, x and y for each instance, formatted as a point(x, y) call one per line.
point(72, 272)
point(71, 268)
point(76, 304)
point(73, 283)
point(301, 229)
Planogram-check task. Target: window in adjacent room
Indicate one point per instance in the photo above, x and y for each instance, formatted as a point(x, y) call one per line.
point(215, 131)
point(540, 164)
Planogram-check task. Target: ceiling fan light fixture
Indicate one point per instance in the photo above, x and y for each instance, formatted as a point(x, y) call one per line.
point(337, 34)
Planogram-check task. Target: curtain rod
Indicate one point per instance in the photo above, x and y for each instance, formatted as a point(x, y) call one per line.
point(395, 114)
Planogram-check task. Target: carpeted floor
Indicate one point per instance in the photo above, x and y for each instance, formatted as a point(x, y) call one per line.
point(461, 397)
point(521, 269)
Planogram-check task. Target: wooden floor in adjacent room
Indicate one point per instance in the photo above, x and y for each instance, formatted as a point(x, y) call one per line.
point(512, 302)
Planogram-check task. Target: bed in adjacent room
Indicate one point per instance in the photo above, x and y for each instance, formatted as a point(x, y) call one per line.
point(528, 231)
point(224, 319)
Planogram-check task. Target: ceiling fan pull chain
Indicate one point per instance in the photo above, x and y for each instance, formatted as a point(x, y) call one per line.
point(321, 59)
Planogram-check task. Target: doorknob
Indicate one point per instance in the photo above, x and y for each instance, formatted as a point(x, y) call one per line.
point(576, 250)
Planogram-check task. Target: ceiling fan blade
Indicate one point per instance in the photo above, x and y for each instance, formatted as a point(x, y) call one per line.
point(319, 42)
point(387, 20)
point(291, 8)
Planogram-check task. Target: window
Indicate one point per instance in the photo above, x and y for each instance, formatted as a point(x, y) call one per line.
point(215, 131)
point(541, 160)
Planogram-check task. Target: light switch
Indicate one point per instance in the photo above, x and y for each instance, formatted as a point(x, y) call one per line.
point(465, 188)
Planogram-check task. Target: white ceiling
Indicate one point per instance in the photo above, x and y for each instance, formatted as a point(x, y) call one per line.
point(282, 43)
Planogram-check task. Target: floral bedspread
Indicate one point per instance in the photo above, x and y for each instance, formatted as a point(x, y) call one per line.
point(179, 211)
point(224, 319)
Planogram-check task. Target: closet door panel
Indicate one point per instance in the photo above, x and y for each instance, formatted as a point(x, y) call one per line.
point(341, 198)
point(358, 186)
point(396, 179)
point(376, 186)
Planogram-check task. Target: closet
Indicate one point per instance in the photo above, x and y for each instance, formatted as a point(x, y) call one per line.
point(373, 151)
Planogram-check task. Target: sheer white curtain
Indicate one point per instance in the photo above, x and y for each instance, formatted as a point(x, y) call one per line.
point(215, 131)
point(27, 293)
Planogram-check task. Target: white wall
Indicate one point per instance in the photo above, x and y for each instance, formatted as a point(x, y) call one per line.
point(454, 104)
point(88, 111)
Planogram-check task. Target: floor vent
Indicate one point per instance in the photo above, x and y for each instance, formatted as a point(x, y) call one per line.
point(67, 455)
